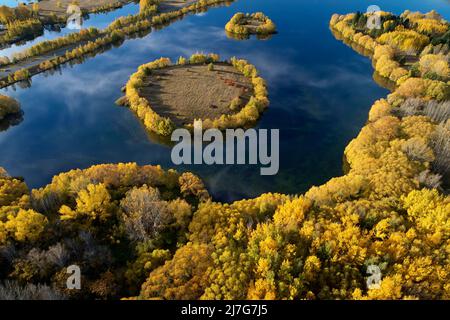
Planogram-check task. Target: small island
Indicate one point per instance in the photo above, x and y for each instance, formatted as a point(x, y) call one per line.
point(26, 22)
point(76, 46)
point(407, 47)
point(223, 94)
point(246, 24)
point(8, 107)
point(10, 112)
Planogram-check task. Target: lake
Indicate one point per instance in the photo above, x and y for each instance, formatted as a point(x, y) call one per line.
point(98, 20)
point(320, 92)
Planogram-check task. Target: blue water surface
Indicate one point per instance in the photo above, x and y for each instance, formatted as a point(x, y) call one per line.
point(320, 93)
point(97, 20)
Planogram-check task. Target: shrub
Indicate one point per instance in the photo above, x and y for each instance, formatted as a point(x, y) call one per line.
point(238, 24)
point(22, 74)
point(8, 106)
point(408, 40)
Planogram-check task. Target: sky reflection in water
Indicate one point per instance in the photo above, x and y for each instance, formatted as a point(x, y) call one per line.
point(320, 92)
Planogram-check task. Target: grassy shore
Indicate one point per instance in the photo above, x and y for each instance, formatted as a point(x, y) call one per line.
point(228, 94)
point(49, 54)
point(59, 7)
point(28, 21)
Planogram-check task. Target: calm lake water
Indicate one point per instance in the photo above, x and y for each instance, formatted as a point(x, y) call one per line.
point(320, 93)
point(99, 20)
point(13, 3)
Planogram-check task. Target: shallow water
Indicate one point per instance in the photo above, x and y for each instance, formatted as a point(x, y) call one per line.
point(320, 93)
point(98, 20)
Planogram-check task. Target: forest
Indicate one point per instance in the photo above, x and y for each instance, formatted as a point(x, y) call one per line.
point(142, 232)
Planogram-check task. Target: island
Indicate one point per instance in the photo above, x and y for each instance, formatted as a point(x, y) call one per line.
point(243, 25)
point(8, 107)
point(223, 94)
point(25, 22)
point(379, 231)
point(10, 112)
point(74, 47)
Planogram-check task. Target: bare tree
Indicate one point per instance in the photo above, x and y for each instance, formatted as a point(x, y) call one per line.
point(441, 147)
point(58, 255)
point(429, 179)
point(416, 149)
point(3, 173)
point(12, 290)
point(145, 214)
point(437, 111)
point(45, 201)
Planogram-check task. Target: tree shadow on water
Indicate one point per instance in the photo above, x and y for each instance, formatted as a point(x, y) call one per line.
point(11, 120)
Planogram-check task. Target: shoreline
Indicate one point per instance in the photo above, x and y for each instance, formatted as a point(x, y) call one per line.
point(135, 25)
point(51, 19)
point(382, 81)
point(242, 116)
point(388, 211)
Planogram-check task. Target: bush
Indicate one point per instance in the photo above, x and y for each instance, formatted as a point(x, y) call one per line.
point(21, 75)
point(409, 40)
point(236, 103)
point(8, 106)
point(238, 24)
point(435, 64)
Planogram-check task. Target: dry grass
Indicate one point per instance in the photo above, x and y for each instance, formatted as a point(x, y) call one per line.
point(59, 7)
point(185, 93)
point(51, 6)
point(251, 24)
point(171, 5)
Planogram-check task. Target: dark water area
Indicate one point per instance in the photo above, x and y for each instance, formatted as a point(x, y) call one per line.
point(320, 92)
